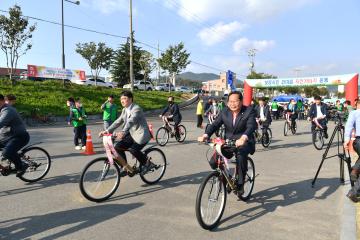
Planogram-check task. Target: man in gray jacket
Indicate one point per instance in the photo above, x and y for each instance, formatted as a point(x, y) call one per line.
point(13, 135)
point(134, 133)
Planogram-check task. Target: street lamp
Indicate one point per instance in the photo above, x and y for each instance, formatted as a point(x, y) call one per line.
point(62, 28)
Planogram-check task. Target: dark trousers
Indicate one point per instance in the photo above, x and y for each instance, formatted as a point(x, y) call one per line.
point(199, 120)
point(12, 146)
point(275, 114)
point(322, 123)
point(356, 146)
point(128, 143)
point(241, 161)
point(80, 132)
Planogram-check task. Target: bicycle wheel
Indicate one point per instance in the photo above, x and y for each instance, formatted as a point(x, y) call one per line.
point(293, 129)
point(181, 135)
point(266, 138)
point(249, 180)
point(162, 136)
point(286, 128)
point(157, 170)
point(317, 139)
point(39, 163)
point(210, 201)
point(99, 180)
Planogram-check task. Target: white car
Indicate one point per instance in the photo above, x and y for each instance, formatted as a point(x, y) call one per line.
point(140, 85)
point(91, 82)
point(183, 89)
point(164, 87)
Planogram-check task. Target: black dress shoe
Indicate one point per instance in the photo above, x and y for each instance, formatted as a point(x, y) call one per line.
point(240, 190)
point(23, 169)
point(352, 197)
point(326, 135)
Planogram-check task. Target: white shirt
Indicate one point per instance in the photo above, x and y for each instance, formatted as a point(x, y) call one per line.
point(319, 114)
point(262, 116)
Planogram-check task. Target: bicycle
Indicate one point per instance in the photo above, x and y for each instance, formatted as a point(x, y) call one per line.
point(37, 159)
point(289, 126)
point(212, 193)
point(265, 137)
point(218, 133)
point(100, 178)
point(318, 135)
point(168, 129)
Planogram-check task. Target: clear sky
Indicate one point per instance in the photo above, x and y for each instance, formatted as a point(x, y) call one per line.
point(316, 37)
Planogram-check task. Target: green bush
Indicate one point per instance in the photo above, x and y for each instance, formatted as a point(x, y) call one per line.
point(50, 96)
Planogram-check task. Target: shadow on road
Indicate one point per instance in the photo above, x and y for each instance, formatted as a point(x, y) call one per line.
point(268, 200)
point(67, 222)
point(165, 184)
point(46, 182)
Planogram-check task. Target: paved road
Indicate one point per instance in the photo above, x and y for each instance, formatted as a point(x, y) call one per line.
point(283, 206)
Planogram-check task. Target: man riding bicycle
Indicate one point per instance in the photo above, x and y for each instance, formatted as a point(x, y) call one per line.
point(134, 133)
point(175, 114)
point(13, 135)
point(318, 114)
point(263, 115)
point(240, 124)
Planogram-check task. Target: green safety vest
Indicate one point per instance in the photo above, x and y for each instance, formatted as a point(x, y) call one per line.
point(77, 113)
point(110, 112)
point(274, 106)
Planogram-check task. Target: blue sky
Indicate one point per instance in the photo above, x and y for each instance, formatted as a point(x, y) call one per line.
point(317, 37)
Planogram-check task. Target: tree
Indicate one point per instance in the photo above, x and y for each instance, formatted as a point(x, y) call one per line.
point(311, 91)
point(174, 59)
point(98, 57)
point(14, 34)
point(255, 75)
point(147, 64)
point(120, 63)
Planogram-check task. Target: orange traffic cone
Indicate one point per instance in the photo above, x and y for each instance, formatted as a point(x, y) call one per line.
point(151, 131)
point(89, 145)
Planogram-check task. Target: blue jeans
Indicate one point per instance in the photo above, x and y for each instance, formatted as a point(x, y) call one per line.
point(12, 146)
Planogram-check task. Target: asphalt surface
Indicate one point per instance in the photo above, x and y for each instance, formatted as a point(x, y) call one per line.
point(283, 204)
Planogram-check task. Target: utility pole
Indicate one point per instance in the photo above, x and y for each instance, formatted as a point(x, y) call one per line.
point(131, 50)
point(158, 77)
point(251, 55)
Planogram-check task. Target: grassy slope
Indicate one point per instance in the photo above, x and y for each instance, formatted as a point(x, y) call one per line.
point(50, 97)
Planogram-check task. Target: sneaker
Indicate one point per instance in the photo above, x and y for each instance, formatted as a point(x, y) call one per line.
point(23, 169)
point(146, 167)
point(83, 147)
point(352, 197)
point(77, 148)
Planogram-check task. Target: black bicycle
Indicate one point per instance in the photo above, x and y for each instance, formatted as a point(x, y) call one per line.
point(100, 178)
point(212, 193)
point(168, 130)
point(318, 136)
point(37, 159)
point(264, 137)
point(289, 126)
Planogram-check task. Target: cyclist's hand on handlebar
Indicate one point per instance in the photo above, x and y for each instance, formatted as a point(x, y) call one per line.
point(241, 141)
point(102, 133)
point(119, 135)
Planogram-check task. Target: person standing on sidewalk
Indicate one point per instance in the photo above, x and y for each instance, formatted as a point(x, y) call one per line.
point(110, 111)
point(200, 113)
point(78, 120)
point(353, 122)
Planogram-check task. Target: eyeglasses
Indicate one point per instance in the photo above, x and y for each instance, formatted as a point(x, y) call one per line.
point(234, 102)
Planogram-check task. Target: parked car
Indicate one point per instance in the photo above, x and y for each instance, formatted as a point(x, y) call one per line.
point(164, 87)
point(140, 85)
point(91, 82)
point(183, 89)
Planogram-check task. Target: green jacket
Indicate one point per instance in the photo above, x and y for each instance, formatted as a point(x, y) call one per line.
point(110, 111)
point(76, 114)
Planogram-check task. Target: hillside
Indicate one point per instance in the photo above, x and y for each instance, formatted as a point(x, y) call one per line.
point(200, 77)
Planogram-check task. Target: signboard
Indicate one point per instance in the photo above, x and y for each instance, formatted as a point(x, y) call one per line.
point(303, 81)
point(55, 73)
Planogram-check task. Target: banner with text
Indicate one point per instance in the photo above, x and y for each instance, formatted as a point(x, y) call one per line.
point(55, 73)
point(300, 81)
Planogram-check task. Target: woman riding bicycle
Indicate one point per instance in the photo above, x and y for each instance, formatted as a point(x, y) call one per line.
point(240, 124)
point(292, 112)
point(135, 133)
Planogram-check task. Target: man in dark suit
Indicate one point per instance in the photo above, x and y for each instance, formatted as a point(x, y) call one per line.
point(263, 115)
point(318, 113)
point(240, 124)
point(174, 111)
